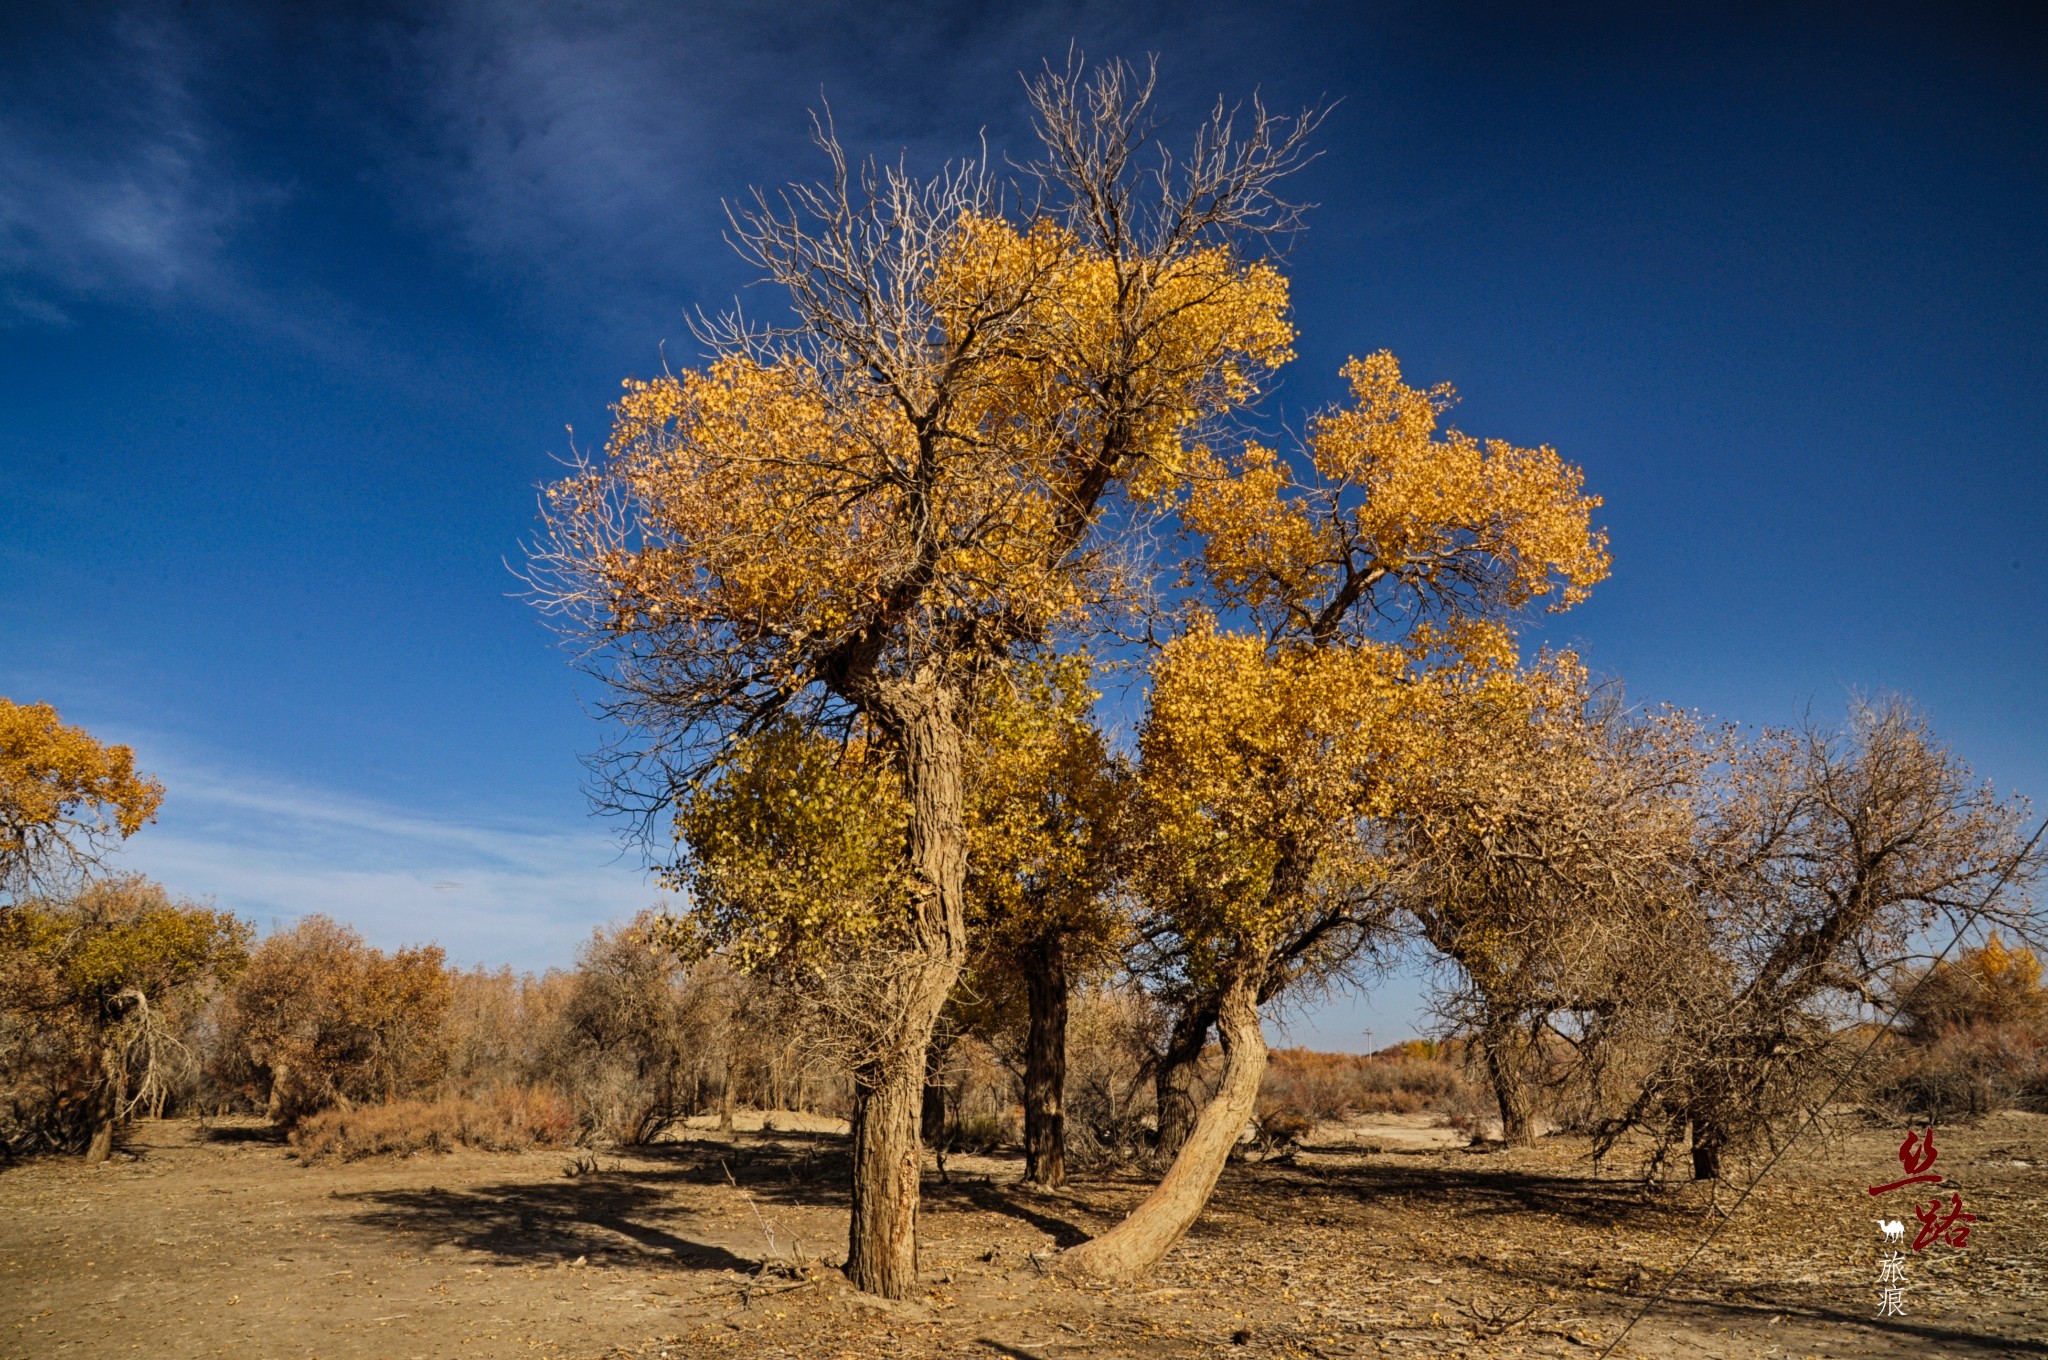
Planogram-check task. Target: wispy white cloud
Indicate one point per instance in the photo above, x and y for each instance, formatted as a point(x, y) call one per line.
point(584, 146)
point(112, 181)
point(489, 892)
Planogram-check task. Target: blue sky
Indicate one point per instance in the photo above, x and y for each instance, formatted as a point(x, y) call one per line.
point(297, 304)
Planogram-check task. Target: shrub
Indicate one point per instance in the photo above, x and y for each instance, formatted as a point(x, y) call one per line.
point(509, 1119)
point(1330, 1086)
point(321, 1019)
point(980, 1133)
point(1975, 1038)
point(1968, 1070)
point(1113, 1033)
point(637, 1039)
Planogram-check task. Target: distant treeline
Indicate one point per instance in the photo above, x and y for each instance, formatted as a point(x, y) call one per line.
point(120, 1001)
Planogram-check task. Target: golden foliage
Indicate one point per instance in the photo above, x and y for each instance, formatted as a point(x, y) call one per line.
point(1990, 984)
point(795, 852)
point(1370, 645)
point(768, 509)
point(122, 934)
point(1044, 807)
point(96, 987)
point(63, 796)
point(1395, 508)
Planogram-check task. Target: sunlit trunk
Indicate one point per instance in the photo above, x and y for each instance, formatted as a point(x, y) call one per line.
point(1150, 1231)
point(274, 1106)
point(106, 1108)
point(1501, 1044)
point(881, 1255)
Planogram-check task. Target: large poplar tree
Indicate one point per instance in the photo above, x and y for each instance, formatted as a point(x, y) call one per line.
point(847, 520)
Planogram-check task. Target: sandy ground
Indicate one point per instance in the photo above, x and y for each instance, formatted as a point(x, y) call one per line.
point(212, 1241)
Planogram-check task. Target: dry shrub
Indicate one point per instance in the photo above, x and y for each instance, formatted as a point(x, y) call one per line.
point(320, 1019)
point(497, 1025)
point(982, 1094)
point(637, 1037)
point(1332, 1086)
point(509, 1119)
point(1968, 1069)
point(1113, 1035)
point(1975, 1037)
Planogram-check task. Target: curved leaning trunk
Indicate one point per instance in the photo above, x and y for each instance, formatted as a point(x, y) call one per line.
point(1150, 1230)
point(1045, 1066)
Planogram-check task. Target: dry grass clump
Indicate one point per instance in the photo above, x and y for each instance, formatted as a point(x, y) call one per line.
point(1969, 1070)
point(1327, 1086)
point(509, 1119)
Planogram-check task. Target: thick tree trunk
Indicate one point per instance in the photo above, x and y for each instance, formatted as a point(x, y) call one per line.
point(274, 1106)
point(1149, 1232)
point(1045, 1065)
point(106, 1109)
point(1173, 1084)
point(1709, 1140)
point(1501, 1044)
point(881, 1254)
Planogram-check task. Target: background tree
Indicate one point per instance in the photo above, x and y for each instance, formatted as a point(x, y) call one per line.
point(319, 1018)
point(1988, 984)
point(1821, 863)
point(64, 798)
point(1554, 828)
point(1975, 1036)
point(639, 1032)
point(1371, 594)
point(96, 988)
point(848, 521)
point(1045, 809)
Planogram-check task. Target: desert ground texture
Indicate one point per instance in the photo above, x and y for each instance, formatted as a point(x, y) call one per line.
point(1381, 1237)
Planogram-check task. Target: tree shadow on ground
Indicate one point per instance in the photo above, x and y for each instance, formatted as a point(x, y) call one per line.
point(1499, 1193)
point(1725, 1313)
point(1474, 1191)
point(243, 1134)
point(624, 1211)
point(1026, 1206)
point(808, 1170)
point(525, 1223)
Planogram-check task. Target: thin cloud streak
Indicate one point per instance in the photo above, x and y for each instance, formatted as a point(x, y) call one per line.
point(118, 187)
point(488, 893)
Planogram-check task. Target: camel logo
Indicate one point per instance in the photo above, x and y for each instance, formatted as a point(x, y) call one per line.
point(1893, 1230)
